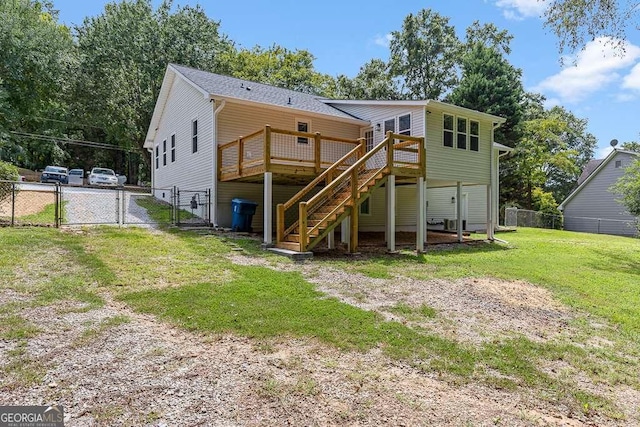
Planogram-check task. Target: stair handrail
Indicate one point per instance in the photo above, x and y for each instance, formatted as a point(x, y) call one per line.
point(281, 208)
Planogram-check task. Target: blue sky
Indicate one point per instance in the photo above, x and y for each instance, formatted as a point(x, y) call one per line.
point(343, 35)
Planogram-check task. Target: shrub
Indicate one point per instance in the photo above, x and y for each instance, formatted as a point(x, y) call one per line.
point(8, 172)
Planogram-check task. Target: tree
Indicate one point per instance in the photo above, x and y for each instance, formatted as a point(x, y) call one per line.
point(280, 67)
point(374, 81)
point(541, 150)
point(488, 35)
point(424, 55)
point(562, 180)
point(36, 56)
point(628, 188)
point(631, 146)
point(124, 53)
point(491, 85)
point(575, 22)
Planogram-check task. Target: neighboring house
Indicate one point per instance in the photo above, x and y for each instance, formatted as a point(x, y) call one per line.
point(592, 207)
point(317, 164)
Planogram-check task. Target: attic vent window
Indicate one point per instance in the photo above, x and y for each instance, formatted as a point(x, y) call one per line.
point(618, 164)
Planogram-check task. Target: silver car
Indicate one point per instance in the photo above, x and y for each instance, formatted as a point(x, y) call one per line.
point(103, 176)
point(76, 177)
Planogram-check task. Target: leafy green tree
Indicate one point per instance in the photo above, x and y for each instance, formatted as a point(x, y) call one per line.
point(631, 146)
point(562, 180)
point(36, 57)
point(491, 85)
point(575, 22)
point(628, 188)
point(488, 35)
point(8, 172)
point(424, 55)
point(124, 53)
point(374, 81)
point(280, 67)
point(541, 150)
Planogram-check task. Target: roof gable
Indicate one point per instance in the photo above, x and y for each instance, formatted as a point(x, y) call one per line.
point(592, 174)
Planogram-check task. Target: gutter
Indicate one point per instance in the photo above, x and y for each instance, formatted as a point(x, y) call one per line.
point(214, 159)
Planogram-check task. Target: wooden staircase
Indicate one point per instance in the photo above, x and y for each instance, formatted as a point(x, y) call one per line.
point(347, 183)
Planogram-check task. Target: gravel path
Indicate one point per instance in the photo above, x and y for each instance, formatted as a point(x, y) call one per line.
point(97, 206)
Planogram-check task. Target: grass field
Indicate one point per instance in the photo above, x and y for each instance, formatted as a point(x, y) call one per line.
point(187, 279)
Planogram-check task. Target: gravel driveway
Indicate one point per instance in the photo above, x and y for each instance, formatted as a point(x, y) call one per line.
point(103, 206)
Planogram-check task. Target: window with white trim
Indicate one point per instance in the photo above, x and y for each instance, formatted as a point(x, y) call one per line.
point(303, 126)
point(368, 139)
point(194, 136)
point(474, 135)
point(164, 153)
point(618, 164)
point(461, 133)
point(447, 130)
point(390, 125)
point(404, 124)
point(173, 148)
point(157, 156)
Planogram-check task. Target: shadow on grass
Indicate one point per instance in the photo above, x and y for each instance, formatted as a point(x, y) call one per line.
point(617, 262)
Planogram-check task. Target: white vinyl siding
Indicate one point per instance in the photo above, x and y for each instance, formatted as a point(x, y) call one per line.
point(594, 200)
point(189, 171)
point(439, 207)
point(445, 164)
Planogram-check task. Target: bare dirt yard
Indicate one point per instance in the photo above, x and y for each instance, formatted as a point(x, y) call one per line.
point(111, 366)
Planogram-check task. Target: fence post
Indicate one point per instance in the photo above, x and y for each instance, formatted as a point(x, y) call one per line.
point(208, 200)
point(58, 208)
point(598, 225)
point(13, 203)
point(123, 206)
point(178, 207)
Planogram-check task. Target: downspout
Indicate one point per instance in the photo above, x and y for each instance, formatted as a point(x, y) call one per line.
point(214, 181)
point(153, 172)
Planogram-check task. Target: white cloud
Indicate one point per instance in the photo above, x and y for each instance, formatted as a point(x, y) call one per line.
point(592, 69)
point(603, 152)
point(520, 9)
point(383, 40)
point(632, 80)
point(625, 97)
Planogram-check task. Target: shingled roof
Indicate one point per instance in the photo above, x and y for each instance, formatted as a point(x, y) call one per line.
point(588, 169)
point(218, 85)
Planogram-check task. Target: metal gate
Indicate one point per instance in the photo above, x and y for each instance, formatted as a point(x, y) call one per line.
point(24, 203)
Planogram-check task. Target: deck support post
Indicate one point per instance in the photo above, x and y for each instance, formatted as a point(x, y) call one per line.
point(353, 230)
point(268, 208)
point(391, 213)
point(489, 213)
point(344, 230)
point(421, 215)
point(331, 240)
point(459, 209)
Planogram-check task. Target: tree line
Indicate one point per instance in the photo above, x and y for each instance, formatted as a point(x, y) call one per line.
point(63, 88)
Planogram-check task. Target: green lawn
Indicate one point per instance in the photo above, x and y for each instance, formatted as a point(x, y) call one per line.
point(186, 279)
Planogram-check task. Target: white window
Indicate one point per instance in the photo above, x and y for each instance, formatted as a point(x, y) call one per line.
point(461, 134)
point(303, 126)
point(164, 153)
point(404, 124)
point(194, 136)
point(368, 139)
point(447, 127)
point(157, 156)
point(474, 135)
point(389, 125)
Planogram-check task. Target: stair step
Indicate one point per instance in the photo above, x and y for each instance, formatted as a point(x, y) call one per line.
point(289, 245)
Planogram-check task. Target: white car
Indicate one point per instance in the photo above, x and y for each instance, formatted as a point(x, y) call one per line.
point(103, 176)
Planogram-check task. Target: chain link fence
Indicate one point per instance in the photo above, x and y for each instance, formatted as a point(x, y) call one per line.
point(55, 205)
point(515, 217)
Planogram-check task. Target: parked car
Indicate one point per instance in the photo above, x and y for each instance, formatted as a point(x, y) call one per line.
point(76, 177)
point(103, 176)
point(55, 174)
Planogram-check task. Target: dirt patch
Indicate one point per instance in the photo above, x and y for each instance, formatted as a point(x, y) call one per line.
point(468, 310)
point(27, 202)
point(146, 373)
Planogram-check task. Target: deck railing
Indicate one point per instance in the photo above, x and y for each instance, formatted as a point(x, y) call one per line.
point(397, 154)
point(280, 151)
